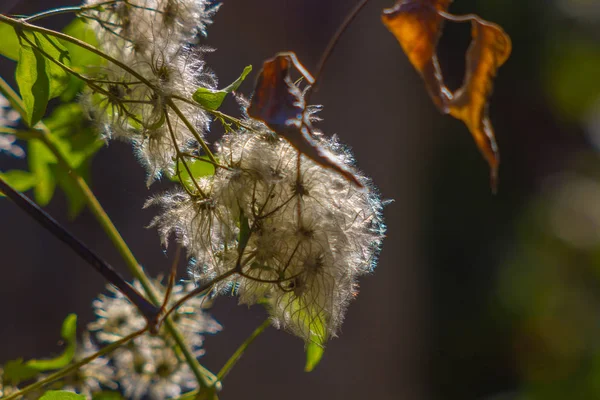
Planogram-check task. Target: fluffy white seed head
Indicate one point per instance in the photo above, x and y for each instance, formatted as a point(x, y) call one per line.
point(9, 118)
point(147, 367)
point(159, 41)
point(138, 26)
point(297, 235)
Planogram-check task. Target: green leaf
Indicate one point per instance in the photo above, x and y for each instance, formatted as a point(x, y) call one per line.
point(311, 321)
point(198, 169)
point(75, 198)
point(39, 79)
point(10, 42)
point(16, 371)
point(59, 78)
point(74, 134)
point(314, 322)
point(68, 332)
point(20, 180)
point(40, 159)
point(61, 395)
point(81, 59)
point(78, 141)
point(314, 353)
point(107, 395)
point(212, 99)
point(33, 82)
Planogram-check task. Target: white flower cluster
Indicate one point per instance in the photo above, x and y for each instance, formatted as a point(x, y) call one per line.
point(9, 118)
point(148, 365)
point(158, 39)
point(93, 376)
point(296, 234)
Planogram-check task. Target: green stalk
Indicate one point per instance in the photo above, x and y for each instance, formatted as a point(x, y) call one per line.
point(235, 357)
point(134, 267)
point(20, 24)
point(205, 378)
point(65, 10)
point(13, 98)
point(73, 367)
point(8, 131)
point(192, 129)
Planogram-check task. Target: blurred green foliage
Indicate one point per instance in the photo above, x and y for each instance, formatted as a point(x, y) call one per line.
point(516, 277)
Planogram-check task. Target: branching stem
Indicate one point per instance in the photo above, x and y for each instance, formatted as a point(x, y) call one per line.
point(205, 378)
point(73, 367)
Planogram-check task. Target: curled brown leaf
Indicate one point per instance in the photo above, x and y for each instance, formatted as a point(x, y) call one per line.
point(278, 102)
point(417, 24)
point(489, 49)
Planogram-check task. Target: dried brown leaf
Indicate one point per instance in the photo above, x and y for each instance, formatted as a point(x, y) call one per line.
point(278, 102)
point(489, 49)
point(417, 24)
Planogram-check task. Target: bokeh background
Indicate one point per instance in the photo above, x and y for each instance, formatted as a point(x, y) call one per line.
point(476, 296)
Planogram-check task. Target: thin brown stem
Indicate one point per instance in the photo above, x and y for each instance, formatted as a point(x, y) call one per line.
point(331, 45)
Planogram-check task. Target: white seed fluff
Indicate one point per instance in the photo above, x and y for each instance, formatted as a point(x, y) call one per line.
point(298, 237)
point(159, 40)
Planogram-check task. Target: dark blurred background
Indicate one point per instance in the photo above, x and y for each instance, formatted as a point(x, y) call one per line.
point(476, 296)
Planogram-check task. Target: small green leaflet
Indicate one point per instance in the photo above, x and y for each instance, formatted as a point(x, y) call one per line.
point(74, 134)
point(10, 42)
point(75, 199)
point(34, 84)
point(314, 353)
point(81, 57)
point(312, 321)
point(16, 371)
point(39, 159)
point(212, 99)
point(198, 168)
point(61, 395)
point(78, 142)
point(38, 78)
point(68, 334)
point(20, 180)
